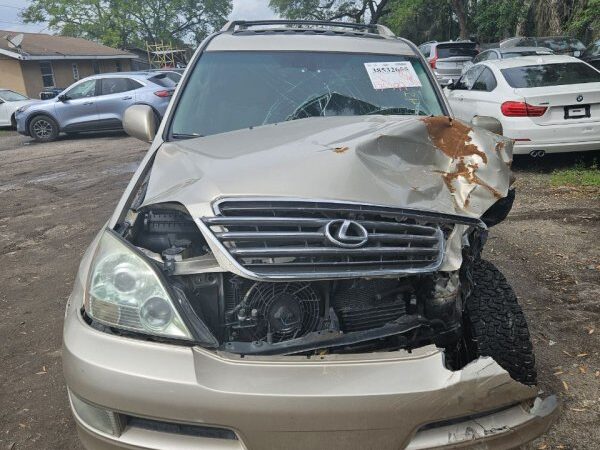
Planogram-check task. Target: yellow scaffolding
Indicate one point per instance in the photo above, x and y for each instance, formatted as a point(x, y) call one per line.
point(164, 55)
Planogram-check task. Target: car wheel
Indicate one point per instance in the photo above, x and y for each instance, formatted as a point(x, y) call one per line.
point(13, 122)
point(495, 324)
point(43, 129)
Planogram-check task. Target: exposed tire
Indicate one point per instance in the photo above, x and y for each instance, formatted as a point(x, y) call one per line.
point(496, 326)
point(43, 128)
point(13, 122)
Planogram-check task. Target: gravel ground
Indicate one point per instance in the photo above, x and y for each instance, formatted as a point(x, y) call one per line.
point(54, 197)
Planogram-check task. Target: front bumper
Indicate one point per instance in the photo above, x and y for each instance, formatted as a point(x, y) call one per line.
point(373, 401)
point(21, 119)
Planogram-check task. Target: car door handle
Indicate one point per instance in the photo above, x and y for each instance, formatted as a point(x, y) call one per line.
point(129, 97)
point(88, 103)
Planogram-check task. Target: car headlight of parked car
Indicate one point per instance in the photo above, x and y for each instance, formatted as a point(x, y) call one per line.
point(22, 109)
point(125, 291)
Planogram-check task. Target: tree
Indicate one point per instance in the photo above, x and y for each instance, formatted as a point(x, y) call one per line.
point(459, 7)
point(121, 23)
point(360, 11)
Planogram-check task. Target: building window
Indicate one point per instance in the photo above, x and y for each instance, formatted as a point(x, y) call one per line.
point(96, 67)
point(119, 68)
point(47, 74)
point(75, 71)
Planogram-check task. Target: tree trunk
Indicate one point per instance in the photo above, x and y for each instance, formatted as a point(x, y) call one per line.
point(458, 8)
point(521, 29)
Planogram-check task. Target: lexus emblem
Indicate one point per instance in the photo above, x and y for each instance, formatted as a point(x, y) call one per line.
point(580, 98)
point(346, 233)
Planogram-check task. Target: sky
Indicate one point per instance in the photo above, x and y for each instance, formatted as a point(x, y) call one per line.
point(10, 20)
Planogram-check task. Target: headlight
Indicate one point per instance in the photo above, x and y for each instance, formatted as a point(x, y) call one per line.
point(125, 291)
point(22, 109)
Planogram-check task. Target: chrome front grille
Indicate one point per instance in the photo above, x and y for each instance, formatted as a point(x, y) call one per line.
point(281, 239)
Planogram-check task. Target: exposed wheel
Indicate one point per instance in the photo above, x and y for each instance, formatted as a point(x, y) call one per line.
point(43, 128)
point(495, 324)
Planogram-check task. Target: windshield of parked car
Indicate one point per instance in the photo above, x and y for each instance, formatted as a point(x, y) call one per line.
point(550, 75)
point(507, 55)
point(450, 50)
point(593, 49)
point(11, 96)
point(165, 79)
point(561, 44)
point(234, 90)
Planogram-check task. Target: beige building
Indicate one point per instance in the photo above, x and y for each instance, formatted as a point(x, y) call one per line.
point(35, 61)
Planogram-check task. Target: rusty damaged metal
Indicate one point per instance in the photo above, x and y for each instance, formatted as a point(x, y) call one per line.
point(433, 164)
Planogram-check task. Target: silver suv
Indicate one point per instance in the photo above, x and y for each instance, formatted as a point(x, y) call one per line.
point(296, 264)
point(447, 59)
point(95, 103)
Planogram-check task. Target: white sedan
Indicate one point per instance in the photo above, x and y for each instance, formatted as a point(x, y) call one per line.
point(547, 104)
point(10, 101)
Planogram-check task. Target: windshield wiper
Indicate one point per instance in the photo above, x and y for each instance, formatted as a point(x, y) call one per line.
point(186, 135)
point(393, 110)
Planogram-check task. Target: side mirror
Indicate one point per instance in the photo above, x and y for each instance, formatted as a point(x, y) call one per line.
point(488, 123)
point(139, 122)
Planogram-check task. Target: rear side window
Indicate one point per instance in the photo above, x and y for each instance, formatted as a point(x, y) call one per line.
point(525, 53)
point(117, 85)
point(450, 50)
point(485, 82)
point(468, 79)
point(550, 75)
point(163, 79)
point(481, 57)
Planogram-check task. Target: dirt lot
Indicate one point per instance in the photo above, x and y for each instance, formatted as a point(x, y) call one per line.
point(54, 197)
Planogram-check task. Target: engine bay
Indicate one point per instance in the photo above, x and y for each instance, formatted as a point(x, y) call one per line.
point(245, 316)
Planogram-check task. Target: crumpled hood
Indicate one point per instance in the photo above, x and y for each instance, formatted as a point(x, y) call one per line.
point(433, 163)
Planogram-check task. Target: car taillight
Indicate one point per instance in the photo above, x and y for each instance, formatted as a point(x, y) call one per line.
point(165, 93)
point(433, 60)
point(522, 109)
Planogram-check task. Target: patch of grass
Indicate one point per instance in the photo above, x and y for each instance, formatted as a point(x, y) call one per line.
point(578, 175)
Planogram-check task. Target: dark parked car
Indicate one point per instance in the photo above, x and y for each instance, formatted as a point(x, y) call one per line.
point(508, 52)
point(49, 93)
point(592, 54)
point(561, 45)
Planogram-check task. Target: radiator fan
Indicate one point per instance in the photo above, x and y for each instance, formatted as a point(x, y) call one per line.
point(283, 310)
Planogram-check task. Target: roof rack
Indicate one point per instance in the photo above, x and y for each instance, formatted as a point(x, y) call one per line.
point(239, 25)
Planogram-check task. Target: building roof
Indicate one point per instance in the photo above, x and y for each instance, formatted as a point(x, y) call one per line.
point(39, 46)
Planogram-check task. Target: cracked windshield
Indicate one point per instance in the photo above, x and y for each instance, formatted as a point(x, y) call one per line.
point(235, 90)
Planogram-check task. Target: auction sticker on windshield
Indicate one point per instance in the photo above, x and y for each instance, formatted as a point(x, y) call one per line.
point(392, 75)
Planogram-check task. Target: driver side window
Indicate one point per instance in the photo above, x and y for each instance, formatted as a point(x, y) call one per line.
point(466, 82)
point(82, 90)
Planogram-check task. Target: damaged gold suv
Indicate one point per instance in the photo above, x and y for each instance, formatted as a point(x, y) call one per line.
point(296, 264)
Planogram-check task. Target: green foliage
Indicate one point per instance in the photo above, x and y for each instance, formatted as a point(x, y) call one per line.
point(495, 20)
point(352, 10)
point(586, 19)
point(579, 175)
point(120, 23)
point(422, 20)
